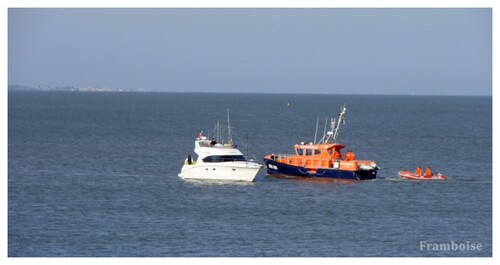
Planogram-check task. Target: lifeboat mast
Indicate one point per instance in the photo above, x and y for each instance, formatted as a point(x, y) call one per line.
point(335, 125)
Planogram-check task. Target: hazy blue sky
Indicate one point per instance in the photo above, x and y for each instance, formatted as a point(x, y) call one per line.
point(353, 51)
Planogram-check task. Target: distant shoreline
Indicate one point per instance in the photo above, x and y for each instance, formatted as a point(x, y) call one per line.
point(76, 89)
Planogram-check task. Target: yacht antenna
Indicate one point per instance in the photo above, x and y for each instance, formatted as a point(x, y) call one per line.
point(247, 144)
point(229, 138)
point(217, 132)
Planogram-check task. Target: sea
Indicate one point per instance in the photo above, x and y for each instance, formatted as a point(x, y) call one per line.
point(95, 174)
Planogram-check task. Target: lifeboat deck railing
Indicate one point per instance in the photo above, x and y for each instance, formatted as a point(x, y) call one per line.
point(310, 162)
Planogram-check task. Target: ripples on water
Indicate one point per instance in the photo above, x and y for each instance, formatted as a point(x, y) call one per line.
point(95, 174)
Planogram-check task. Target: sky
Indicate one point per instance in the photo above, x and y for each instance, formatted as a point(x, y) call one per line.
point(315, 50)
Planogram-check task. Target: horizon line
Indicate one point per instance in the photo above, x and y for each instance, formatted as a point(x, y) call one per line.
point(256, 93)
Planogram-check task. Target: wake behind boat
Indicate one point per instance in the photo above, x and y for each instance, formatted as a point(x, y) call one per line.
point(218, 159)
point(322, 160)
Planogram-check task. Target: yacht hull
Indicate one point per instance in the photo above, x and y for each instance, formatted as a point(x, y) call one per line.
point(246, 171)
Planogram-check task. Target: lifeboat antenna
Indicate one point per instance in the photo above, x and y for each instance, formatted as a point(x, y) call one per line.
point(324, 130)
point(316, 133)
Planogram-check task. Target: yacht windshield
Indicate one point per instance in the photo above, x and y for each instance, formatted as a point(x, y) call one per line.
point(230, 158)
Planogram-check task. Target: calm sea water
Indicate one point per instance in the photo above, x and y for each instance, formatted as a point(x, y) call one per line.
point(95, 174)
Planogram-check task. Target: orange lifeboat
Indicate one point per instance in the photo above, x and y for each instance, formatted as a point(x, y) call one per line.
point(321, 160)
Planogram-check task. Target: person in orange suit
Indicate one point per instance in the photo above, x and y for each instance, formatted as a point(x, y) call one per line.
point(348, 155)
point(428, 172)
point(337, 154)
point(418, 171)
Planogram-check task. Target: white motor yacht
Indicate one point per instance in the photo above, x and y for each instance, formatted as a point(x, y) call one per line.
point(218, 161)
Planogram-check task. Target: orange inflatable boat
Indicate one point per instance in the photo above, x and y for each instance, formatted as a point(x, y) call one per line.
point(410, 175)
